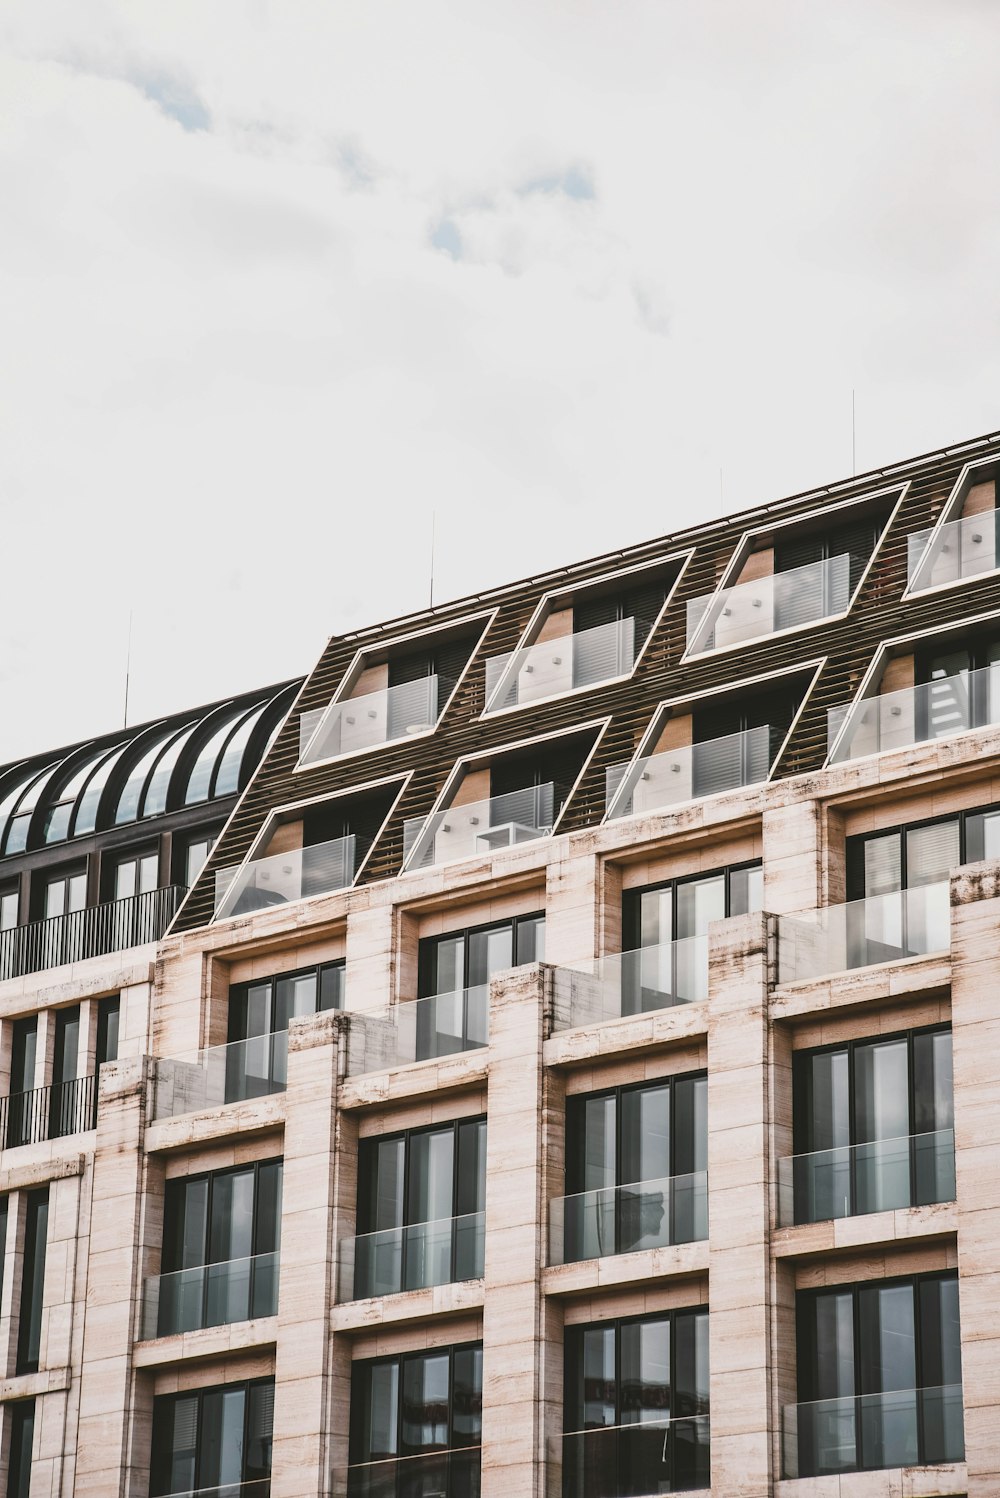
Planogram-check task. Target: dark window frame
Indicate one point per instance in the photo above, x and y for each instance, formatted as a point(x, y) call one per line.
point(162, 1401)
point(176, 1186)
point(428, 946)
point(632, 898)
point(365, 1365)
point(855, 845)
point(240, 993)
point(368, 1146)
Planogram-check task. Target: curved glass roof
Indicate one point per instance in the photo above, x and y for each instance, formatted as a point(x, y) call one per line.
point(183, 761)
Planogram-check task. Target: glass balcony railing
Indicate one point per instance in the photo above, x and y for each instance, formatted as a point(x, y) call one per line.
point(658, 781)
point(933, 710)
point(781, 600)
point(647, 1456)
point(221, 1074)
point(962, 548)
point(188, 1300)
point(625, 1219)
point(866, 1432)
point(479, 827)
point(883, 928)
point(414, 1257)
point(453, 1473)
point(550, 667)
point(255, 1487)
point(357, 723)
point(282, 877)
point(421, 1030)
point(637, 982)
point(879, 1175)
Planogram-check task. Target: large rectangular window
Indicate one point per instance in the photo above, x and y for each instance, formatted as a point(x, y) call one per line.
point(221, 1235)
point(665, 933)
point(22, 1435)
point(636, 1406)
point(874, 1123)
point(454, 973)
point(421, 1199)
point(880, 1377)
point(259, 1012)
point(416, 1424)
point(22, 1103)
point(636, 1161)
point(29, 1328)
point(214, 1439)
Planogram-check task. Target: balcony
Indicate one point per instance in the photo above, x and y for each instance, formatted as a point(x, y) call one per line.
point(550, 668)
point(880, 1175)
point(221, 1074)
point(637, 982)
point(437, 1474)
point(863, 1433)
point(960, 549)
point(48, 1113)
point(625, 1219)
point(283, 877)
point(414, 1257)
point(189, 1300)
point(113, 926)
point(258, 1487)
point(479, 827)
point(883, 928)
point(658, 781)
point(781, 600)
point(649, 1456)
point(444, 1024)
point(357, 723)
point(933, 710)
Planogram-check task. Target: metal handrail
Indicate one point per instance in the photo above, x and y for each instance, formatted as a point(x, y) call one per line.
point(112, 926)
point(51, 1112)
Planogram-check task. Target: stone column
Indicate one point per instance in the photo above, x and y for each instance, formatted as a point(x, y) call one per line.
point(302, 1454)
point(975, 1020)
point(111, 1458)
point(738, 1208)
point(572, 908)
point(795, 858)
point(521, 1340)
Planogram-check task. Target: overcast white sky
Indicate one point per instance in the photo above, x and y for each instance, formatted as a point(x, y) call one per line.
point(278, 279)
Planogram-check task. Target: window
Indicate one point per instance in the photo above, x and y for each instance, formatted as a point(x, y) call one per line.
point(421, 1198)
point(29, 1330)
point(4, 1210)
point(135, 874)
point(880, 1375)
point(20, 1115)
point(735, 741)
point(196, 854)
point(456, 970)
point(836, 557)
point(961, 688)
point(221, 1234)
point(259, 1014)
point(22, 1436)
point(65, 1096)
point(873, 1125)
point(419, 1417)
point(635, 1168)
point(64, 893)
point(108, 1018)
point(213, 1438)
point(636, 1406)
point(679, 911)
point(9, 902)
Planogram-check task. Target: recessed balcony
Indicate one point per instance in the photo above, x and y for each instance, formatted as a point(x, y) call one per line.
point(932, 710)
point(637, 982)
point(416, 1256)
point(647, 1456)
point(280, 878)
point(477, 827)
point(189, 1300)
point(565, 663)
point(44, 1113)
point(952, 552)
point(656, 782)
point(444, 1024)
point(113, 926)
point(221, 1074)
point(626, 1219)
point(776, 601)
point(454, 1473)
point(354, 724)
point(883, 928)
point(880, 1175)
point(868, 1432)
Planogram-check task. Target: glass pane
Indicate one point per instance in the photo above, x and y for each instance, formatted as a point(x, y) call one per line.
point(221, 1437)
point(385, 1186)
point(881, 1110)
point(448, 965)
point(331, 986)
point(125, 878)
point(932, 853)
point(887, 1338)
point(594, 1395)
point(933, 1088)
point(645, 1150)
point(260, 1431)
point(700, 901)
point(530, 939)
point(645, 1371)
point(268, 1219)
point(467, 1398)
point(656, 918)
point(8, 909)
point(746, 890)
point(381, 1423)
point(294, 996)
point(148, 873)
point(598, 1163)
point(489, 952)
point(194, 858)
point(155, 800)
point(231, 1230)
point(832, 1335)
point(470, 1195)
point(425, 1403)
point(940, 1333)
point(431, 1176)
point(883, 865)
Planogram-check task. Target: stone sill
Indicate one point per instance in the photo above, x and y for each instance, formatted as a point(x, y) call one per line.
point(212, 1341)
point(255, 1116)
point(864, 985)
point(871, 1230)
point(949, 1480)
point(636, 1032)
point(90, 978)
point(439, 1075)
point(29, 1385)
point(52, 1160)
point(408, 1305)
point(681, 1260)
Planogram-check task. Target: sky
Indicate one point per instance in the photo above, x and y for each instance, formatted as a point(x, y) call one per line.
point(287, 284)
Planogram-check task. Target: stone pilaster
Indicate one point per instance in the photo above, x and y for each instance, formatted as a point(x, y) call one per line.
point(738, 1208)
point(794, 859)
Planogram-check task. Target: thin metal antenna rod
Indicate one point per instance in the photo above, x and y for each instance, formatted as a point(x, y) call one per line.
point(128, 667)
point(854, 437)
point(433, 536)
point(722, 494)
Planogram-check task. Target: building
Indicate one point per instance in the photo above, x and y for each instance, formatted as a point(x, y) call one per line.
point(573, 1073)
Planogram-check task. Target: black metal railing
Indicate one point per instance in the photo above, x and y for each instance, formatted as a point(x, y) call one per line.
point(48, 1112)
point(111, 927)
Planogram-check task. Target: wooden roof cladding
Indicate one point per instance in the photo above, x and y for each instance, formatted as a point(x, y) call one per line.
point(848, 644)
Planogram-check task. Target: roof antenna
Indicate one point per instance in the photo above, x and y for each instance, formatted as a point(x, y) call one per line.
point(722, 494)
point(854, 437)
point(433, 534)
point(128, 664)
